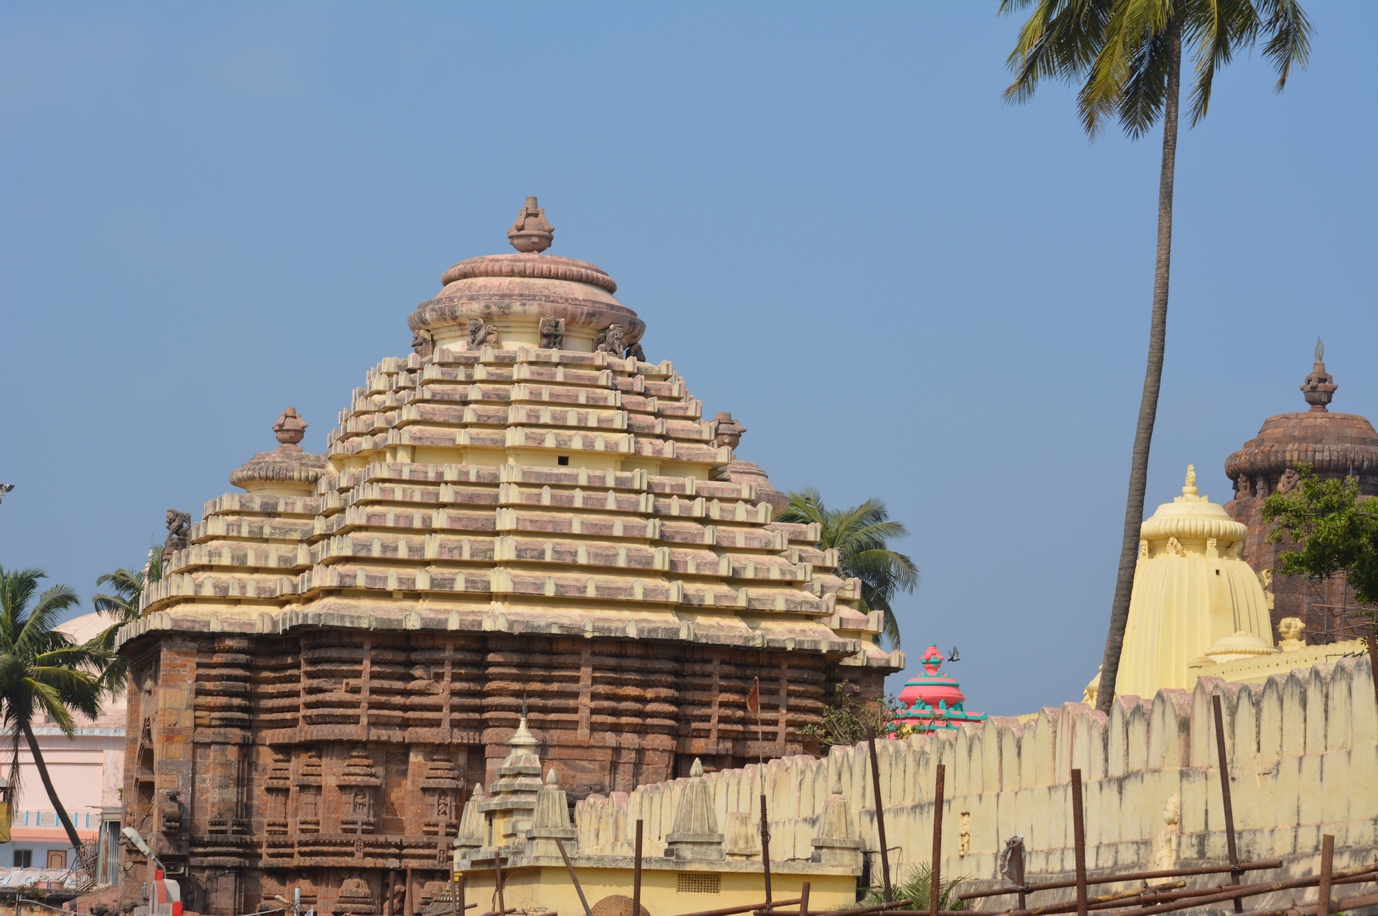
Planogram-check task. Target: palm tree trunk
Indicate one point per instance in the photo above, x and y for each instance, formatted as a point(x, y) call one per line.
point(1153, 377)
point(52, 793)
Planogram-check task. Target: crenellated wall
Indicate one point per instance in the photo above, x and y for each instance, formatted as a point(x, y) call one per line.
point(1303, 751)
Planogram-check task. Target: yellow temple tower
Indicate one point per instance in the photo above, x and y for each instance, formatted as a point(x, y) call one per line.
point(1195, 600)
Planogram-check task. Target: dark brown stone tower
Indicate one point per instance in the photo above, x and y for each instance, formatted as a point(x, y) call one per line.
point(523, 513)
point(1336, 445)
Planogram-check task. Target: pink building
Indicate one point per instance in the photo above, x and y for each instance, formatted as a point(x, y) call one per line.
point(88, 772)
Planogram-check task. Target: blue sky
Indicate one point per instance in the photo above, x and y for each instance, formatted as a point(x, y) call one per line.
point(826, 215)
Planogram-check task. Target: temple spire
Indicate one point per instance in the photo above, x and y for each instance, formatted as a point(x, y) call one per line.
point(1319, 387)
point(532, 232)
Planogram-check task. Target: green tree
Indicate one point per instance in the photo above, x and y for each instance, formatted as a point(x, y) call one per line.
point(1335, 529)
point(916, 887)
point(42, 673)
point(849, 720)
point(1127, 56)
point(861, 536)
point(123, 606)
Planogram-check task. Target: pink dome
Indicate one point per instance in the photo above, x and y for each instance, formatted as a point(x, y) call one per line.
point(933, 698)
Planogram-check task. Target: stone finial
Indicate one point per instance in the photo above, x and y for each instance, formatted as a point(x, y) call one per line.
point(290, 428)
point(550, 820)
point(531, 233)
point(1319, 387)
point(695, 835)
point(837, 842)
point(1189, 488)
point(727, 431)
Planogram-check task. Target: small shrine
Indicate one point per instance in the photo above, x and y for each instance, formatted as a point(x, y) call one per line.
point(933, 700)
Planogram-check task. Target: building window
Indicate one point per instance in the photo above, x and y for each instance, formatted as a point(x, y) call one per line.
point(562, 460)
point(23, 858)
point(57, 858)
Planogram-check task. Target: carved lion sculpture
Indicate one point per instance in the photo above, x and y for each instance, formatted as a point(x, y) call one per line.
point(552, 333)
point(611, 340)
point(178, 529)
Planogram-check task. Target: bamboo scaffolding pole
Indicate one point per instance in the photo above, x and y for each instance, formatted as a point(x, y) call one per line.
point(886, 893)
point(1327, 866)
point(574, 879)
point(1261, 865)
point(1078, 841)
point(1248, 890)
point(745, 908)
point(1225, 798)
point(935, 874)
point(636, 873)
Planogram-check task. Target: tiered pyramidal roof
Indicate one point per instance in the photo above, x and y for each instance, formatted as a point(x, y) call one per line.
point(526, 469)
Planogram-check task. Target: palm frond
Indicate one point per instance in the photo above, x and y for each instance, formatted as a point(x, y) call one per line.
point(1289, 42)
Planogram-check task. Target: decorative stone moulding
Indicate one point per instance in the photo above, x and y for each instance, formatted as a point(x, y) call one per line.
point(285, 471)
point(1333, 444)
point(514, 293)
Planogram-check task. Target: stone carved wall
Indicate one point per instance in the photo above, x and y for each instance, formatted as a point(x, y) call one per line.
point(1303, 750)
point(338, 758)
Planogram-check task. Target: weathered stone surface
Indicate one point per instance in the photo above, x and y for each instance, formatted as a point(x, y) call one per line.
point(497, 528)
point(1336, 445)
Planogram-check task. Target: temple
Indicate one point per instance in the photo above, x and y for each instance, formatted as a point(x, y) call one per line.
point(933, 700)
point(1335, 445)
point(524, 519)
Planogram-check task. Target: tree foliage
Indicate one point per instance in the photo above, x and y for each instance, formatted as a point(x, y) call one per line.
point(916, 886)
point(1127, 57)
point(1335, 529)
point(42, 674)
point(861, 535)
point(1120, 51)
point(122, 606)
point(849, 720)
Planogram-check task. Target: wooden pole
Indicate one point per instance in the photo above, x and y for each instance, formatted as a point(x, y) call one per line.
point(497, 881)
point(1019, 867)
point(765, 838)
point(569, 867)
point(1261, 865)
point(1372, 667)
point(935, 874)
point(1225, 796)
point(880, 817)
point(636, 872)
point(1079, 840)
point(1327, 865)
point(804, 900)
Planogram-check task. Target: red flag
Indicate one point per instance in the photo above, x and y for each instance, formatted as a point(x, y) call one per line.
point(753, 699)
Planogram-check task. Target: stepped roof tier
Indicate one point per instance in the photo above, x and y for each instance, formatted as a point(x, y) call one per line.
point(525, 470)
point(1335, 445)
point(523, 521)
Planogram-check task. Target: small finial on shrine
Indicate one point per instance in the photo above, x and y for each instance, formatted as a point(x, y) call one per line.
point(531, 233)
point(290, 428)
point(1319, 387)
point(1190, 488)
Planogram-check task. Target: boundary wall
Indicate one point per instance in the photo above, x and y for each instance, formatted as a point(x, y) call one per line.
point(1302, 747)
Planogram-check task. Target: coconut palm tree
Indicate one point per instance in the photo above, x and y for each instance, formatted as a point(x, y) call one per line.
point(1127, 55)
point(861, 536)
point(122, 607)
point(42, 673)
